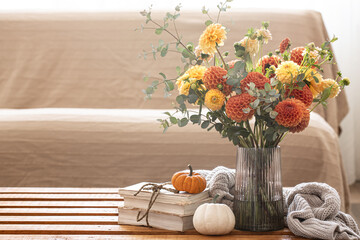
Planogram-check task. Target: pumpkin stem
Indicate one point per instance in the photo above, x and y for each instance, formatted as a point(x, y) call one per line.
point(191, 170)
point(216, 197)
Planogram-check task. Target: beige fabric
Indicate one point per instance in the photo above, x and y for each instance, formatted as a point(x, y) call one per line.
point(90, 60)
point(99, 147)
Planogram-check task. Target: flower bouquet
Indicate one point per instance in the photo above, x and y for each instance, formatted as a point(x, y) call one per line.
point(253, 100)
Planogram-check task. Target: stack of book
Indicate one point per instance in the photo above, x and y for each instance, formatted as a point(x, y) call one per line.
point(171, 211)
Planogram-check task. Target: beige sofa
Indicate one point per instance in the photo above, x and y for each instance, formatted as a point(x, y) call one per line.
point(73, 113)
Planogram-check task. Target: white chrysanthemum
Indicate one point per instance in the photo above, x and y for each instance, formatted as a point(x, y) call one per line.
point(265, 33)
point(250, 45)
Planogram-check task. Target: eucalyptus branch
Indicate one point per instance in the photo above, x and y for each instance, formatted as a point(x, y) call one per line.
point(178, 39)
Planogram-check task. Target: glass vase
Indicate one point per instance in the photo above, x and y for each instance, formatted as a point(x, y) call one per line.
point(258, 202)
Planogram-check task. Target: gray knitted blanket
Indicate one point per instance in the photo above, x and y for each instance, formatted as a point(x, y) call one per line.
point(312, 210)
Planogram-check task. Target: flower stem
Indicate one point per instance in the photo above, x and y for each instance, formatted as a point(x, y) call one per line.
point(222, 59)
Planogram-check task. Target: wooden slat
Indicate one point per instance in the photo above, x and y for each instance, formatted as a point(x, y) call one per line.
point(59, 211)
point(10, 190)
point(143, 237)
point(60, 204)
point(107, 229)
point(102, 220)
point(84, 213)
point(60, 197)
point(79, 229)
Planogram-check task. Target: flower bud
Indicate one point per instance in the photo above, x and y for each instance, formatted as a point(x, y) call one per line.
point(311, 46)
point(190, 47)
point(237, 44)
point(226, 53)
point(277, 51)
point(193, 86)
point(345, 81)
point(220, 86)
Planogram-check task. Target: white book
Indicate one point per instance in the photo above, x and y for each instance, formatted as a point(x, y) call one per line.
point(181, 198)
point(156, 220)
point(177, 209)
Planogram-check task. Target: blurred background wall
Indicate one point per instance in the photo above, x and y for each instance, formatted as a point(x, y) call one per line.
point(341, 18)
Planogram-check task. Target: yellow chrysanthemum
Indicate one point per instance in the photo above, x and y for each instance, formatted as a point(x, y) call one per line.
point(180, 80)
point(214, 34)
point(286, 71)
point(184, 88)
point(196, 72)
point(335, 88)
point(250, 45)
point(315, 87)
point(214, 99)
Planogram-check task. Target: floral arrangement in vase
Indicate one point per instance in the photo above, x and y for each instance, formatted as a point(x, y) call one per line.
point(277, 91)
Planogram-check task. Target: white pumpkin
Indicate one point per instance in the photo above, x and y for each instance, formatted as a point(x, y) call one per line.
point(214, 219)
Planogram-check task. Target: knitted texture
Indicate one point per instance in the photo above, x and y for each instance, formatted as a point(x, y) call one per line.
point(312, 209)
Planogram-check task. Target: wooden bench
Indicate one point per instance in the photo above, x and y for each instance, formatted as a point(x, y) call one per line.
point(84, 213)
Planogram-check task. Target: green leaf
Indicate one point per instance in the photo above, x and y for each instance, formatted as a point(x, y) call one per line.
point(256, 103)
point(192, 98)
point(178, 70)
point(195, 118)
point(232, 81)
point(183, 122)
point(169, 85)
point(185, 53)
point(326, 93)
point(164, 50)
point(246, 110)
point(173, 120)
point(149, 90)
point(177, 8)
point(267, 87)
point(208, 22)
point(300, 77)
point(273, 114)
point(205, 124)
point(158, 31)
point(180, 99)
point(236, 131)
point(163, 75)
point(316, 79)
point(218, 127)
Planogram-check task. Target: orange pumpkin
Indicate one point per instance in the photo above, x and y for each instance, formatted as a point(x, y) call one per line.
point(191, 183)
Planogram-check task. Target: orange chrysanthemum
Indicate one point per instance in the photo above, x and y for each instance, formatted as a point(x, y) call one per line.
point(267, 61)
point(303, 123)
point(235, 106)
point(284, 45)
point(290, 112)
point(231, 64)
point(305, 95)
point(214, 34)
point(257, 78)
point(214, 76)
point(296, 55)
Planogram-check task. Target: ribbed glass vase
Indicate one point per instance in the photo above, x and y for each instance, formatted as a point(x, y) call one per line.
point(258, 203)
